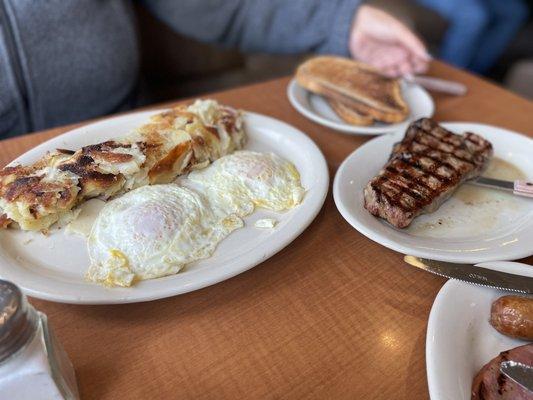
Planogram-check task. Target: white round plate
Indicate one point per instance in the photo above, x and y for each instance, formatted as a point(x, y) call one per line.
point(460, 339)
point(317, 109)
point(53, 267)
point(474, 225)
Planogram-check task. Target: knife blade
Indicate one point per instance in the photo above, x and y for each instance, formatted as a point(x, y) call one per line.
point(474, 274)
point(437, 84)
point(520, 188)
point(518, 372)
point(493, 183)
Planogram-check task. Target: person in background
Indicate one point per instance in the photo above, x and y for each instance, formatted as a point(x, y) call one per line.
point(68, 60)
point(479, 30)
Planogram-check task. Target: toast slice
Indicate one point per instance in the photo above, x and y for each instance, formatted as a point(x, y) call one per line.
point(350, 115)
point(355, 84)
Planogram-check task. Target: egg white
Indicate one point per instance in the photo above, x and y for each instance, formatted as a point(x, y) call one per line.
point(244, 180)
point(154, 231)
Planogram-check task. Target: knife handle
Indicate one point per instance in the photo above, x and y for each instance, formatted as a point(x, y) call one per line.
point(523, 188)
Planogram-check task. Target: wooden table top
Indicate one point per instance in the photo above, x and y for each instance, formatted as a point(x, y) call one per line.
point(333, 315)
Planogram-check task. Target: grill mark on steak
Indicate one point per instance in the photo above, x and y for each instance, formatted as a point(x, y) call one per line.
point(401, 180)
point(414, 162)
point(418, 199)
point(456, 142)
point(437, 163)
point(394, 172)
point(443, 152)
point(452, 153)
point(409, 177)
point(423, 170)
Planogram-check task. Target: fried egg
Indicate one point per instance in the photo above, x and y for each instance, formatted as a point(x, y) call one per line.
point(265, 223)
point(154, 231)
point(244, 180)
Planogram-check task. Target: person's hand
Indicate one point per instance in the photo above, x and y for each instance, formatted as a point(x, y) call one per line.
point(382, 41)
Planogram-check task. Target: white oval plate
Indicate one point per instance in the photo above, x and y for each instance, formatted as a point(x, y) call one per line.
point(317, 109)
point(460, 339)
point(474, 225)
point(53, 267)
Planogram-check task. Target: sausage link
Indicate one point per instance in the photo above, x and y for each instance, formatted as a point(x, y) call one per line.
point(513, 316)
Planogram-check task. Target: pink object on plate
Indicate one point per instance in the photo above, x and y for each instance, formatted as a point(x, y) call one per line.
point(520, 188)
point(523, 188)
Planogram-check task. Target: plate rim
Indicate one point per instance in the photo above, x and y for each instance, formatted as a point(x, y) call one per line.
point(448, 286)
point(391, 243)
point(321, 186)
point(293, 86)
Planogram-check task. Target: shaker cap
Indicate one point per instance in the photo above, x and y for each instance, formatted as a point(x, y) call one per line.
point(18, 320)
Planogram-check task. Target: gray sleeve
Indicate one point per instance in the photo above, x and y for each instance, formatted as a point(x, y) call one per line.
point(275, 26)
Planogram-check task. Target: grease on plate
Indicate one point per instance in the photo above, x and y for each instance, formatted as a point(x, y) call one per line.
point(473, 210)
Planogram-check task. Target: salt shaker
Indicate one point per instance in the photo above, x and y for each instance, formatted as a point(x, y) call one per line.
point(33, 364)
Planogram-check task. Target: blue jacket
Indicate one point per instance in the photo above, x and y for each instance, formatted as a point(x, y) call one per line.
point(63, 61)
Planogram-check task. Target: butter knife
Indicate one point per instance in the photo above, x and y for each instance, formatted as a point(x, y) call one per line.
point(473, 274)
point(518, 372)
point(520, 188)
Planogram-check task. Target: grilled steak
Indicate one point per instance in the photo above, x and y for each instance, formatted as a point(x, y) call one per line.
point(491, 384)
point(423, 170)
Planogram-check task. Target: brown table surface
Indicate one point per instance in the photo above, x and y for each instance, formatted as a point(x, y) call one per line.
point(333, 315)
